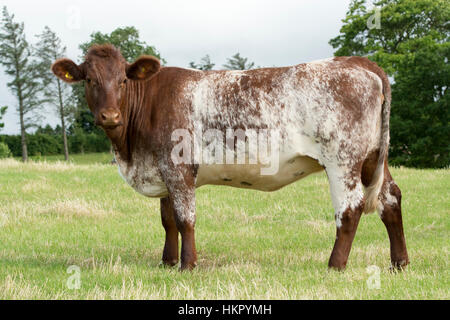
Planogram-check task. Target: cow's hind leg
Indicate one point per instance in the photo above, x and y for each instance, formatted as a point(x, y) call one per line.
point(390, 212)
point(170, 253)
point(348, 201)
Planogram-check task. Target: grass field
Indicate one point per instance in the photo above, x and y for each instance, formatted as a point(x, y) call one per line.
point(251, 245)
point(87, 158)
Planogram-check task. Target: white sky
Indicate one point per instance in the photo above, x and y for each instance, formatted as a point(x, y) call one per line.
point(268, 32)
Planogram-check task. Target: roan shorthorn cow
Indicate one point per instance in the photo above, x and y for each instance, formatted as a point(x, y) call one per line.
point(331, 114)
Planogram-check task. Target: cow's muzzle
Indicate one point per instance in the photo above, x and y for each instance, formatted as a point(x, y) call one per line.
point(109, 119)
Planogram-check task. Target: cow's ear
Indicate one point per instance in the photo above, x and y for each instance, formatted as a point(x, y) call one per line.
point(68, 71)
point(143, 68)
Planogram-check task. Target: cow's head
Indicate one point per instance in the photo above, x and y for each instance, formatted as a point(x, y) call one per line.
point(105, 73)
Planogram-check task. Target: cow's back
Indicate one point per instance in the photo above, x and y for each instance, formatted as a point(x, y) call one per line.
point(314, 105)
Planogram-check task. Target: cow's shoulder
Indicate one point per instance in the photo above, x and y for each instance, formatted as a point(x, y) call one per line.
point(177, 75)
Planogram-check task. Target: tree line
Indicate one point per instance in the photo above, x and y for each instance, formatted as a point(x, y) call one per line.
point(410, 41)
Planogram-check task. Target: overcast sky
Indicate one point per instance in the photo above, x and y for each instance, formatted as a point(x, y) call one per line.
point(269, 33)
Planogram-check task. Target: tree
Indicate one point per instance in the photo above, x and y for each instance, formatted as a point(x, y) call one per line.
point(48, 49)
point(4, 149)
point(204, 64)
point(15, 57)
point(412, 44)
point(237, 62)
point(2, 113)
point(126, 39)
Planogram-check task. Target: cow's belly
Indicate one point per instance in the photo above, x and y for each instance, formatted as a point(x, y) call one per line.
point(249, 175)
point(144, 177)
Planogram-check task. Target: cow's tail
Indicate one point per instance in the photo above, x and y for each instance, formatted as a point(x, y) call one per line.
point(373, 190)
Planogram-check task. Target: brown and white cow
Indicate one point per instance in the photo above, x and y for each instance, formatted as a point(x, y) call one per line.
point(331, 114)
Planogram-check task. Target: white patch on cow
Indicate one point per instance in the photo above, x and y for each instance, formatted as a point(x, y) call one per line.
point(185, 208)
point(390, 199)
point(321, 61)
point(193, 69)
point(143, 175)
point(343, 197)
point(386, 198)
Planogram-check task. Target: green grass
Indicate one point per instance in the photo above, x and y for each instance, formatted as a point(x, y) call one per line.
point(87, 158)
point(251, 245)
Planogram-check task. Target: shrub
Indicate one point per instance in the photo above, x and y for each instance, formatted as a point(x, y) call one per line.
point(4, 151)
point(81, 142)
point(44, 144)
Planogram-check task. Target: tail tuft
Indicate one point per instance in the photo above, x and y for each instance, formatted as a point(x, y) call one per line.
point(373, 190)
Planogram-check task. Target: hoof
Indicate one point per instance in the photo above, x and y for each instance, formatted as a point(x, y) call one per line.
point(167, 264)
point(397, 266)
point(188, 266)
point(337, 268)
point(336, 265)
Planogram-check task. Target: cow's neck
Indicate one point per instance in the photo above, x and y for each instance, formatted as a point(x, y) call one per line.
point(127, 138)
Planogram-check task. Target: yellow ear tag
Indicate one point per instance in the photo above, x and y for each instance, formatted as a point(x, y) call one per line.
point(69, 76)
point(143, 70)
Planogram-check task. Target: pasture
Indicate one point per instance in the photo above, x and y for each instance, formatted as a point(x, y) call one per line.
point(251, 245)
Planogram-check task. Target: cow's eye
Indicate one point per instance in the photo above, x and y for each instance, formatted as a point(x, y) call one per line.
point(91, 82)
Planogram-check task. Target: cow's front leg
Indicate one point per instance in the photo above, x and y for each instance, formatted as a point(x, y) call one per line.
point(183, 202)
point(180, 183)
point(170, 253)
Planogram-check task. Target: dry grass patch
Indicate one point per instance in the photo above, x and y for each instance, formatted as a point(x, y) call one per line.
point(16, 288)
point(11, 212)
point(75, 208)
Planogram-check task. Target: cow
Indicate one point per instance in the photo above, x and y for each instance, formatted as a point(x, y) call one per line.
point(331, 115)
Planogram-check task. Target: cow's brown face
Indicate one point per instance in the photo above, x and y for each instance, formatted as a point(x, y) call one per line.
point(106, 73)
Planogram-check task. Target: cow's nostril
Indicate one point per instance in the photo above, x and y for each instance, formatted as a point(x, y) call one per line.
point(109, 118)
